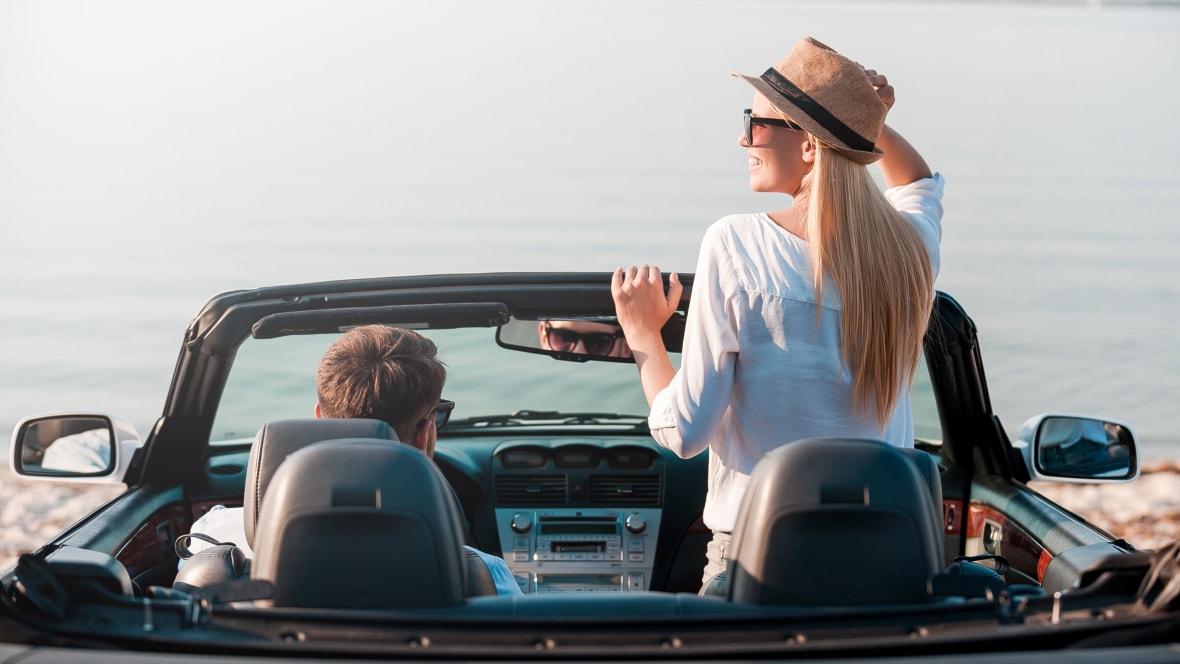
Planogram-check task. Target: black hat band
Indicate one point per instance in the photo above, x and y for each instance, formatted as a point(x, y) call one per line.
point(816, 111)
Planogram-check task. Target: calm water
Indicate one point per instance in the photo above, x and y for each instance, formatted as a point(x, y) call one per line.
point(152, 155)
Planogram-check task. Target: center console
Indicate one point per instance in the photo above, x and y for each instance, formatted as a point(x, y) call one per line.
point(579, 550)
point(578, 516)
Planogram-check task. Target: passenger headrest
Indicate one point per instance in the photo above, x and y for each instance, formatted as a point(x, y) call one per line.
point(276, 440)
point(835, 522)
point(360, 524)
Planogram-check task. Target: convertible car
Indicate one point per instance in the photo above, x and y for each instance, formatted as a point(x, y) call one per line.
point(844, 549)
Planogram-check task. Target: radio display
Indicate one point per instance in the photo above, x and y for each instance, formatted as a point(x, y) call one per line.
point(577, 528)
point(579, 579)
point(579, 547)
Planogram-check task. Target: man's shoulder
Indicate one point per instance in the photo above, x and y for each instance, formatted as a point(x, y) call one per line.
point(501, 574)
point(225, 524)
point(482, 554)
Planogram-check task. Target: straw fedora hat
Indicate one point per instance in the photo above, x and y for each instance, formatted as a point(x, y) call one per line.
point(828, 95)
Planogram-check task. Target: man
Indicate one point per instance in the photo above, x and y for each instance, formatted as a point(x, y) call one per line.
point(382, 373)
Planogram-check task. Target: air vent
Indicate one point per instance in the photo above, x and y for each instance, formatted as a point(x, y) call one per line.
point(624, 489)
point(530, 489)
point(630, 458)
point(226, 469)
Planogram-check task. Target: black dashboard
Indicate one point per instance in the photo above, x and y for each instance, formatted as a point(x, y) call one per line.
point(598, 513)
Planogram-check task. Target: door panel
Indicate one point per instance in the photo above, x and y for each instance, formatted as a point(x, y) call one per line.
point(1024, 527)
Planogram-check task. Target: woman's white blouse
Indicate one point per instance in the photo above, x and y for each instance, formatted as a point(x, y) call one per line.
point(758, 369)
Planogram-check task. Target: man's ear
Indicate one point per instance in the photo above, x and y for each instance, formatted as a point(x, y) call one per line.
point(318, 414)
point(422, 436)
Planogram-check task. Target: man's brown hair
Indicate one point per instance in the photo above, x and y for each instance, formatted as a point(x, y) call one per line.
point(381, 372)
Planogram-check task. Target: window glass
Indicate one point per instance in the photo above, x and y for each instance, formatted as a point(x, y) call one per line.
point(927, 426)
point(275, 379)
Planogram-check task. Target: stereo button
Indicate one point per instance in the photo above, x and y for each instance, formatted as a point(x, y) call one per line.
point(634, 581)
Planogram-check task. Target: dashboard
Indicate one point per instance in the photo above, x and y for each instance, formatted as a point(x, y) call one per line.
point(608, 514)
point(568, 513)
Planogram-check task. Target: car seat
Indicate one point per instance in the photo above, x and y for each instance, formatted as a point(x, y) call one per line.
point(272, 445)
point(278, 440)
point(360, 524)
point(837, 522)
point(928, 470)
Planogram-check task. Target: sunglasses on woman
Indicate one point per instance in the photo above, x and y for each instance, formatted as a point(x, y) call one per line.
point(595, 343)
point(750, 122)
point(442, 413)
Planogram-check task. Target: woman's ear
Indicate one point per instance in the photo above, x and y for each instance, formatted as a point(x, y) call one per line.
point(809, 150)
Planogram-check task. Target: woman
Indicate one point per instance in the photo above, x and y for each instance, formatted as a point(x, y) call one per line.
point(807, 321)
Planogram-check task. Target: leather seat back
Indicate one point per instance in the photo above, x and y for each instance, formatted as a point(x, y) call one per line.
point(836, 522)
point(928, 470)
point(276, 440)
point(360, 524)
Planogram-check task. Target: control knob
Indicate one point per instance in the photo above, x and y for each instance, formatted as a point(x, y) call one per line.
point(635, 522)
point(521, 523)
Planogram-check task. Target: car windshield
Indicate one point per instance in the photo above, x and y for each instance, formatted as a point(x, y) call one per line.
point(274, 379)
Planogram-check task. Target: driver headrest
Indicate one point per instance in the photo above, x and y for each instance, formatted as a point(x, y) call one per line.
point(357, 523)
point(277, 440)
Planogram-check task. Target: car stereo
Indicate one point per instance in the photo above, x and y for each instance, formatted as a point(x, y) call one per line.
point(579, 550)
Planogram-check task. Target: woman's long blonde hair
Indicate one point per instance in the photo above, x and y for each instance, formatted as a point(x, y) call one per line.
point(881, 269)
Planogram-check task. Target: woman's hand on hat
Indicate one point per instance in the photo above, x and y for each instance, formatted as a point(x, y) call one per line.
point(902, 164)
point(881, 85)
point(641, 304)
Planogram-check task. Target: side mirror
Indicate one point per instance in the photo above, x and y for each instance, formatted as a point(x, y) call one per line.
point(1077, 448)
point(73, 447)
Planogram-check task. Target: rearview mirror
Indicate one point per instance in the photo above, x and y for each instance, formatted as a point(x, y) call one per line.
point(1073, 448)
point(580, 339)
point(78, 447)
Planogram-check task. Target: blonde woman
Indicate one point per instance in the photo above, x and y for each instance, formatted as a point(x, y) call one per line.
point(807, 321)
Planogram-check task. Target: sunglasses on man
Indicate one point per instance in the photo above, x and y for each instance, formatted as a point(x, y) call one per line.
point(595, 343)
point(750, 123)
point(442, 413)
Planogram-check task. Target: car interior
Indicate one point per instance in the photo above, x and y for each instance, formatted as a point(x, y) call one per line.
point(593, 518)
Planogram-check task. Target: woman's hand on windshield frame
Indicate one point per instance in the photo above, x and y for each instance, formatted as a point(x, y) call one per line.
point(642, 308)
